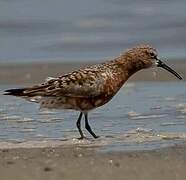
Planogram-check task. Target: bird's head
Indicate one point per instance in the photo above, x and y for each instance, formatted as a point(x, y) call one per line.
point(146, 56)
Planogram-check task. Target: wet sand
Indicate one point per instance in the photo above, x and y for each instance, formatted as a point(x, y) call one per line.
point(86, 163)
point(36, 73)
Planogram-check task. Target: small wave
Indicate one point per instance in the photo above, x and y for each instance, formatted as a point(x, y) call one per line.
point(156, 108)
point(18, 119)
point(50, 120)
point(170, 98)
point(183, 111)
point(27, 130)
point(181, 117)
point(144, 130)
point(133, 114)
point(172, 123)
point(171, 136)
point(25, 120)
point(137, 116)
point(11, 118)
point(180, 105)
point(46, 112)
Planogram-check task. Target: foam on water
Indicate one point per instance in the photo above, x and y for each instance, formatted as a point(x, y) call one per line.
point(131, 138)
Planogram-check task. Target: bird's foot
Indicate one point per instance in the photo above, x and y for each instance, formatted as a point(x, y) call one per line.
point(96, 136)
point(82, 137)
point(86, 138)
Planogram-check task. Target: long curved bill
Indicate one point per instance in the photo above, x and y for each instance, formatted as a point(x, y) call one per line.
point(164, 66)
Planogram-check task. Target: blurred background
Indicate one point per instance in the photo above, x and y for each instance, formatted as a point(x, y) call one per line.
point(86, 30)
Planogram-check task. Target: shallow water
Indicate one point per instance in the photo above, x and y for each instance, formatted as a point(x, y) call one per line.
point(143, 115)
point(68, 30)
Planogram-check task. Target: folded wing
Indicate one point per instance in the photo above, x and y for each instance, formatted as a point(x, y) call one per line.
point(88, 82)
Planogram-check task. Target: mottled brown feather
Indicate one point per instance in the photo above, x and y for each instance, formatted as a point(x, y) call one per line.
point(92, 86)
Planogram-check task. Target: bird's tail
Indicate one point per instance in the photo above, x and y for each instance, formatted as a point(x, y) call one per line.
point(28, 91)
point(36, 90)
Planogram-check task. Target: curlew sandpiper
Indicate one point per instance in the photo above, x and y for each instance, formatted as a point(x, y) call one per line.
point(86, 89)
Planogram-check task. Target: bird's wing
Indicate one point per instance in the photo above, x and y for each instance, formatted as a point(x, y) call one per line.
point(89, 82)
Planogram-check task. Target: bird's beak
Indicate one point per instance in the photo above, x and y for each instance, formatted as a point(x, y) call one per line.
point(159, 63)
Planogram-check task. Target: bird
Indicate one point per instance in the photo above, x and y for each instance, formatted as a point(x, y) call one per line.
point(88, 88)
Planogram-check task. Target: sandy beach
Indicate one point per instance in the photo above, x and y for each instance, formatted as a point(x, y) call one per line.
point(86, 163)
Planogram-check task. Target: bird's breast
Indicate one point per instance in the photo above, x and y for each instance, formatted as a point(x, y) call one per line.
point(114, 81)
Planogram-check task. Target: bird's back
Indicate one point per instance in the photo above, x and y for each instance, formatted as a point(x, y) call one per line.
point(83, 89)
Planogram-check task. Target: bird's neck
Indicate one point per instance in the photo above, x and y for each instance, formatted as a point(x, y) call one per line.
point(129, 65)
point(122, 68)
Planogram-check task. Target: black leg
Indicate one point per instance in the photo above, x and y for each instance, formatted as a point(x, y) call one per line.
point(87, 126)
point(78, 124)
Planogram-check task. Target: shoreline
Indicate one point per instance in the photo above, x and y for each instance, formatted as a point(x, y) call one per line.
point(72, 162)
point(38, 72)
point(86, 163)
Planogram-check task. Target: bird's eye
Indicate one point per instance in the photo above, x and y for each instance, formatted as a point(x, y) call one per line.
point(152, 54)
